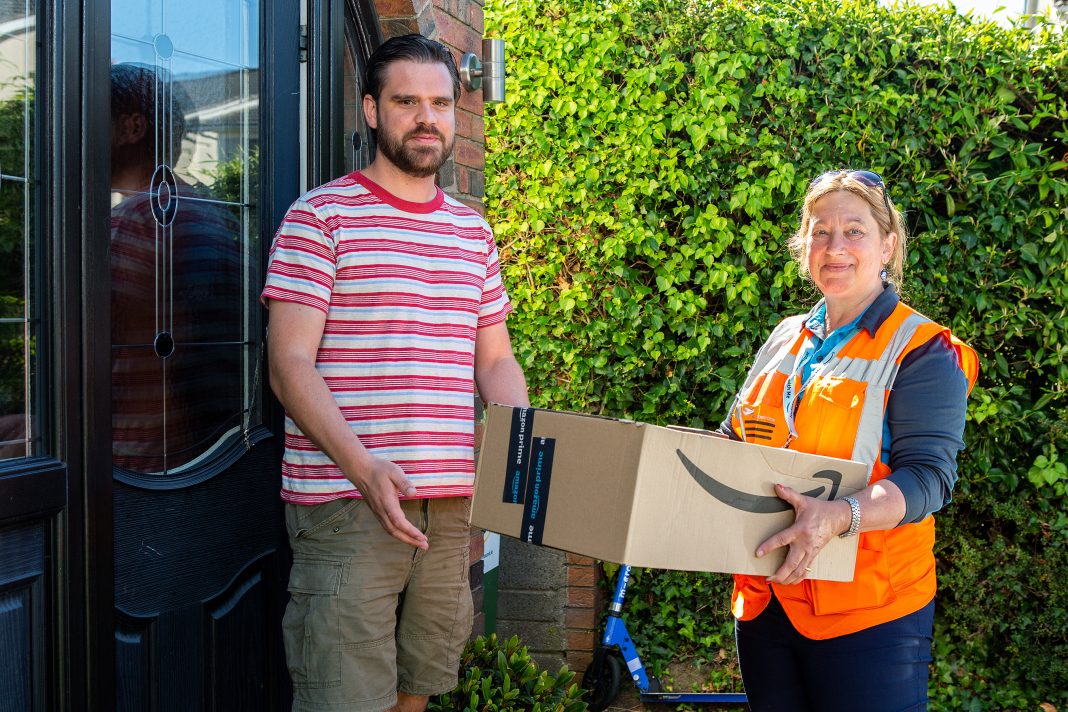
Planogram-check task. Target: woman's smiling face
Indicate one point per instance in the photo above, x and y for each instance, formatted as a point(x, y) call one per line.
point(846, 249)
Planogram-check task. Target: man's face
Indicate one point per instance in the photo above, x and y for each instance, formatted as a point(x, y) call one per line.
point(415, 116)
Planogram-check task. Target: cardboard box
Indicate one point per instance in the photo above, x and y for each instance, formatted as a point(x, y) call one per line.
point(650, 496)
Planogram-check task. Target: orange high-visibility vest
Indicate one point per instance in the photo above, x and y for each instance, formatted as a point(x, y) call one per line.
point(841, 415)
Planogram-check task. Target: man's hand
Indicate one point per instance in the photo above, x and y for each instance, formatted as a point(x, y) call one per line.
point(294, 336)
point(380, 482)
point(815, 523)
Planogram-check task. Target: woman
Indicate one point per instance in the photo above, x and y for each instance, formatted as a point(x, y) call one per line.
point(863, 377)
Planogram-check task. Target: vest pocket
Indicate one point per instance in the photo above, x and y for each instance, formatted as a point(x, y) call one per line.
point(760, 412)
point(870, 588)
point(829, 416)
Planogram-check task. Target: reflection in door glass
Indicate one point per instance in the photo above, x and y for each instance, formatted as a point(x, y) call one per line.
point(184, 234)
point(357, 143)
point(18, 322)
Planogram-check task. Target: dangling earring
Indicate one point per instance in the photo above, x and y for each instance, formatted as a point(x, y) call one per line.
point(883, 276)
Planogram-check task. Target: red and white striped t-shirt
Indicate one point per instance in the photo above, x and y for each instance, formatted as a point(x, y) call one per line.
point(404, 287)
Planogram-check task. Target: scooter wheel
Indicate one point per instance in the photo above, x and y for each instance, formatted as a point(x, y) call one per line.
point(602, 684)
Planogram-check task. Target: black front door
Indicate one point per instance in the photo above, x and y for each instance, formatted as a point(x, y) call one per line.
point(199, 94)
point(147, 150)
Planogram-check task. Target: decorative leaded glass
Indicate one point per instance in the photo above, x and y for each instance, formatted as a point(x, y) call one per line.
point(184, 232)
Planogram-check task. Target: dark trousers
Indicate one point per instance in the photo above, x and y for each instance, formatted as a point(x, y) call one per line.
point(882, 669)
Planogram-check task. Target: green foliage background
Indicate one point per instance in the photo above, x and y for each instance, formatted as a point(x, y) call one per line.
point(643, 177)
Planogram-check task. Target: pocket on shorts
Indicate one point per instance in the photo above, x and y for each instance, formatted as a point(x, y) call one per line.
point(312, 622)
point(465, 612)
point(308, 521)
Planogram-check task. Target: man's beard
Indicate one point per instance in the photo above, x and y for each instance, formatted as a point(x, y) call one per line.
point(417, 162)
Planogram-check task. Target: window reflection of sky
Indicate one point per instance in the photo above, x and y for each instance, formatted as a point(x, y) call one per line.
point(220, 31)
point(213, 56)
point(190, 72)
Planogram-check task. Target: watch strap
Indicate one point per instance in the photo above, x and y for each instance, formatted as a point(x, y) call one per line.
point(854, 519)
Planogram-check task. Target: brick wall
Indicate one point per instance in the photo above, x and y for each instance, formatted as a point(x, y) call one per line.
point(552, 601)
point(584, 603)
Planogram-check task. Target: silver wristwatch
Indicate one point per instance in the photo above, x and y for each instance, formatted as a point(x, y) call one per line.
point(854, 517)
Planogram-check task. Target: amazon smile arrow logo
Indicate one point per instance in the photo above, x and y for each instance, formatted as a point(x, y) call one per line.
point(755, 503)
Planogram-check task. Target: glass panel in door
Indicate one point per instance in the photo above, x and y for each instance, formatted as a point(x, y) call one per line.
point(18, 308)
point(184, 234)
point(356, 141)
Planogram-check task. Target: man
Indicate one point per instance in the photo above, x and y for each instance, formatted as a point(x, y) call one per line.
point(386, 308)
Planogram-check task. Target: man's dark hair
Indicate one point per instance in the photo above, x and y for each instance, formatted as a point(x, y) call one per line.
point(135, 89)
point(414, 48)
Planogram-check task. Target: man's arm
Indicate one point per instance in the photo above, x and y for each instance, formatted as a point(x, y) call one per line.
point(498, 376)
point(294, 333)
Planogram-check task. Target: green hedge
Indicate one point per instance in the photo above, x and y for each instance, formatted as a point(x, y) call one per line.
point(643, 176)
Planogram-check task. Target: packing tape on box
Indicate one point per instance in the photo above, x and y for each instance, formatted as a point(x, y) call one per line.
point(515, 476)
point(528, 470)
point(537, 500)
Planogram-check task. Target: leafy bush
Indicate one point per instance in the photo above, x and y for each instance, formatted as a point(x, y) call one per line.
point(644, 175)
point(499, 676)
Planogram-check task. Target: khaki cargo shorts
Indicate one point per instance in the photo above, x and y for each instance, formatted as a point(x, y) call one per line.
point(369, 615)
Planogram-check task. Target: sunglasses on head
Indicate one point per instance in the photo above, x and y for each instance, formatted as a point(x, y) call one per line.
point(868, 178)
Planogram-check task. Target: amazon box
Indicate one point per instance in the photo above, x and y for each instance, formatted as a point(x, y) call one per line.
point(650, 496)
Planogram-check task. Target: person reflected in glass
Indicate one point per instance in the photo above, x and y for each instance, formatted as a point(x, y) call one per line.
point(861, 376)
point(176, 286)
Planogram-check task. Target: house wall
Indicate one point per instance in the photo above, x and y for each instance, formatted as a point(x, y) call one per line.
point(552, 600)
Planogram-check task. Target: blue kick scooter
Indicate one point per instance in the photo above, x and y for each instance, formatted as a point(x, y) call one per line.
point(603, 678)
